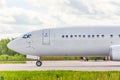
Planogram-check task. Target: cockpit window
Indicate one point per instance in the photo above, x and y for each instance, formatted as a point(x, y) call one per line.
point(26, 36)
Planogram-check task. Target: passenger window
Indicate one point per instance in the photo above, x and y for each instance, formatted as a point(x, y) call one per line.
point(71, 36)
point(62, 36)
point(79, 35)
point(66, 36)
point(93, 35)
point(98, 35)
point(88, 36)
point(75, 35)
point(83, 36)
point(111, 35)
point(102, 35)
point(119, 35)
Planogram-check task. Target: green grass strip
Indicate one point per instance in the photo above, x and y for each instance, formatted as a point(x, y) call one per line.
point(59, 75)
point(12, 62)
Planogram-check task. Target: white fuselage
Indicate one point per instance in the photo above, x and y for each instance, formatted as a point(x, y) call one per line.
point(76, 41)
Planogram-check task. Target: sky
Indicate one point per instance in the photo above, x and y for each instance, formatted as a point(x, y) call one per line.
point(21, 16)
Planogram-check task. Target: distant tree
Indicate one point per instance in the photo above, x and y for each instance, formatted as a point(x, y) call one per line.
point(4, 49)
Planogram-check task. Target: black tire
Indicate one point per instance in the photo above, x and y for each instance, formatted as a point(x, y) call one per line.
point(96, 59)
point(38, 63)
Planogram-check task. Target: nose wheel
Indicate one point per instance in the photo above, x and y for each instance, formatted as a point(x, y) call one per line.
point(38, 63)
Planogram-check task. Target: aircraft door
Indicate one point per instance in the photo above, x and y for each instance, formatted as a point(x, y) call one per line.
point(46, 37)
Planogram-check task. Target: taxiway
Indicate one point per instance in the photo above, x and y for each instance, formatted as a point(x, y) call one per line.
point(65, 65)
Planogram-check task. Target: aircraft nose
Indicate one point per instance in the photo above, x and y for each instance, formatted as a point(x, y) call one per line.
point(14, 45)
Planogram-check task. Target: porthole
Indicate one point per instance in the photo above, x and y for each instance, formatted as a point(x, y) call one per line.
point(71, 36)
point(63, 36)
point(119, 35)
point(111, 35)
point(66, 36)
point(88, 36)
point(102, 35)
point(75, 35)
point(83, 36)
point(93, 35)
point(98, 35)
point(79, 35)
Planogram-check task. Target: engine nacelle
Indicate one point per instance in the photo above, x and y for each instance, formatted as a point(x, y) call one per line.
point(115, 53)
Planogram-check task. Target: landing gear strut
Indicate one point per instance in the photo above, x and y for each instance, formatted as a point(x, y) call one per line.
point(38, 63)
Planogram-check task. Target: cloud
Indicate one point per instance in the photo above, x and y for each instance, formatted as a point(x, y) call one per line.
point(18, 16)
point(13, 35)
point(2, 3)
point(76, 10)
point(24, 19)
point(38, 14)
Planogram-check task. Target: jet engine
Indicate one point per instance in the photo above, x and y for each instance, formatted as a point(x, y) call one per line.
point(115, 53)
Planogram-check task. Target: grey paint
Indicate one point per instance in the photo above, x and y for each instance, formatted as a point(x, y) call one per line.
point(76, 46)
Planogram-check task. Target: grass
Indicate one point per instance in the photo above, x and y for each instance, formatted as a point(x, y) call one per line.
point(59, 75)
point(12, 62)
point(60, 58)
point(68, 58)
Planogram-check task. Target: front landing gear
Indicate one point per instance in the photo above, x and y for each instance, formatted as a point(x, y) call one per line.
point(38, 63)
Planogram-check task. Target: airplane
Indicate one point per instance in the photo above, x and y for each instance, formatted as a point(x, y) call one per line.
point(70, 41)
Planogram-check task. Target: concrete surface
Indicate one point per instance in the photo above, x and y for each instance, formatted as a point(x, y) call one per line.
point(65, 65)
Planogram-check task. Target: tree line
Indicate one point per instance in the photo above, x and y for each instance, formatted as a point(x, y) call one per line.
point(4, 49)
point(7, 54)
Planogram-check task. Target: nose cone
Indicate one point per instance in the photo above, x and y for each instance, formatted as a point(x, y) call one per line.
point(15, 45)
point(11, 45)
point(21, 46)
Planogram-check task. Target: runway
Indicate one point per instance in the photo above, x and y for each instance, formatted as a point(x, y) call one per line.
point(65, 65)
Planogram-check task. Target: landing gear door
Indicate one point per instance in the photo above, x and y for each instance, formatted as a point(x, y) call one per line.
point(46, 37)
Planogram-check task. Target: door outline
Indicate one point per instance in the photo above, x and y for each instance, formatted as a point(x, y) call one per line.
point(46, 37)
